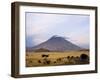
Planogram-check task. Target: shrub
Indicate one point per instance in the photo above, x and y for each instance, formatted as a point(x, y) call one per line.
point(84, 57)
point(39, 61)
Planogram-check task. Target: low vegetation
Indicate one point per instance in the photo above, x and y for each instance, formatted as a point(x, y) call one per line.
point(47, 58)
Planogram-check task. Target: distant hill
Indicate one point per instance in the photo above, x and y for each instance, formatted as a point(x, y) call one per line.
point(84, 50)
point(41, 50)
point(56, 43)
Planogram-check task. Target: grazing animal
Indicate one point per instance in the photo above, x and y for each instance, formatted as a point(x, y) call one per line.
point(30, 61)
point(44, 55)
point(59, 59)
point(48, 62)
point(72, 57)
point(39, 61)
point(77, 59)
point(68, 57)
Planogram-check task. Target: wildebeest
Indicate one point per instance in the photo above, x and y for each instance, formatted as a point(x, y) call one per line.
point(77, 59)
point(46, 61)
point(44, 55)
point(39, 61)
point(55, 62)
point(59, 59)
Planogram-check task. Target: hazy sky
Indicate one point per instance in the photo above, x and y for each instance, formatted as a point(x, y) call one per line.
point(41, 26)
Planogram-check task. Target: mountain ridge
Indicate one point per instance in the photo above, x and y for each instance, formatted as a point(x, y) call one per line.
point(56, 43)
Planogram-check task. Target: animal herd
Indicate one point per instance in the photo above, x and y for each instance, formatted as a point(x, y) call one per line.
point(69, 60)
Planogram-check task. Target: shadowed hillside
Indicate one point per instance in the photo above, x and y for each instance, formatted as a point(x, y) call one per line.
point(56, 43)
point(41, 50)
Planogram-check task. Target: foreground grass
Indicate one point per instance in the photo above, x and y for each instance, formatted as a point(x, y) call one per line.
point(34, 59)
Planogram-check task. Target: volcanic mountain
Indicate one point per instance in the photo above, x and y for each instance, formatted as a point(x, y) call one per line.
point(56, 43)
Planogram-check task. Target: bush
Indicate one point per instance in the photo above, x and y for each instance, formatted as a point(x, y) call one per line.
point(84, 57)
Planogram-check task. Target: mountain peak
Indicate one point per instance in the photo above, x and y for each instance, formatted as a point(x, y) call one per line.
point(57, 37)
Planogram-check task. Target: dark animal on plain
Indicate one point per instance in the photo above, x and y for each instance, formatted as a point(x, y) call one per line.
point(39, 61)
point(54, 61)
point(59, 59)
point(77, 59)
point(68, 57)
point(72, 57)
point(30, 61)
point(70, 60)
point(48, 62)
point(45, 55)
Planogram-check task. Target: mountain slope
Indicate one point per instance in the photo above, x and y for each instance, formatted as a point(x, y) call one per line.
point(57, 43)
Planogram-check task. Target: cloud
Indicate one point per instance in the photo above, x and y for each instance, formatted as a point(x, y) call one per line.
point(81, 40)
point(39, 25)
point(29, 41)
point(43, 26)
